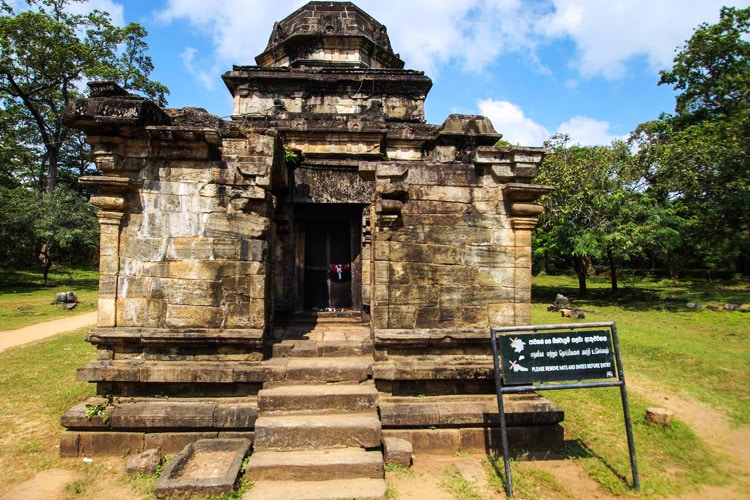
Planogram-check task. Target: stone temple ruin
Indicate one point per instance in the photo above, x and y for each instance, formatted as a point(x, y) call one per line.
point(321, 271)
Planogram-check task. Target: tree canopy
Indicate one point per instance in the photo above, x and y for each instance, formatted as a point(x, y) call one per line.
point(47, 54)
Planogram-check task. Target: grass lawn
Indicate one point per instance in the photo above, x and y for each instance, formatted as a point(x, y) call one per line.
point(37, 384)
point(700, 354)
point(26, 300)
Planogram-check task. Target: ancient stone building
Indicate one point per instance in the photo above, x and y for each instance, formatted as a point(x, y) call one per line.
point(326, 223)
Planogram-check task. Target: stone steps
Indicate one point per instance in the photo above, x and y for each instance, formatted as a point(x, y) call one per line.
point(318, 370)
point(348, 489)
point(313, 348)
point(301, 432)
point(315, 465)
point(318, 434)
point(328, 398)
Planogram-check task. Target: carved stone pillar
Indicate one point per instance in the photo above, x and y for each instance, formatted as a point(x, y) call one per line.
point(113, 205)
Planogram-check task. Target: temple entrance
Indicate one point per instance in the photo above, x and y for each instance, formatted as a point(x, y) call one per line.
point(331, 263)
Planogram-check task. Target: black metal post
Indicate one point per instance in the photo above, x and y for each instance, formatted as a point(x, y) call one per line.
point(501, 408)
point(626, 411)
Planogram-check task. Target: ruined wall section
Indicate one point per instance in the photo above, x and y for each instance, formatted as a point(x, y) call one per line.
point(451, 250)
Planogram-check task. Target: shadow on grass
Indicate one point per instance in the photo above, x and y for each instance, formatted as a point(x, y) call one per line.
point(646, 295)
point(14, 280)
point(571, 450)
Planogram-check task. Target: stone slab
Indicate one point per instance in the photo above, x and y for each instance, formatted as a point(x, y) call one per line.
point(328, 398)
point(315, 465)
point(397, 451)
point(208, 467)
point(300, 432)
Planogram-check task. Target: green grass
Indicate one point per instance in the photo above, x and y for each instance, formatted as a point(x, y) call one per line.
point(37, 385)
point(461, 488)
point(25, 300)
point(701, 353)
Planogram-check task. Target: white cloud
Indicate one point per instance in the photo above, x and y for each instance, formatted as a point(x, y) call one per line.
point(517, 128)
point(205, 78)
point(440, 35)
point(610, 33)
point(588, 131)
point(510, 120)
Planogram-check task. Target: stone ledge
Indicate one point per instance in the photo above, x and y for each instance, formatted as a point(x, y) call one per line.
point(252, 338)
point(425, 337)
point(479, 440)
point(439, 368)
point(467, 411)
point(205, 372)
point(158, 414)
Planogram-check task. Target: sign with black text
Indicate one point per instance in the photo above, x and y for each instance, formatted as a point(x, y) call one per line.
point(557, 356)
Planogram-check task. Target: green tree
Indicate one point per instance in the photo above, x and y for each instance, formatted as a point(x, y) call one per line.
point(46, 53)
point(699, 158)
point(599, 211)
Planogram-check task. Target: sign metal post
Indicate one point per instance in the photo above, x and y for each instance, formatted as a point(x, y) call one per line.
point(538, 358)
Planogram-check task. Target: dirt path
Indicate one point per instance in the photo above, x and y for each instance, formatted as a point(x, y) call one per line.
point(39, 331)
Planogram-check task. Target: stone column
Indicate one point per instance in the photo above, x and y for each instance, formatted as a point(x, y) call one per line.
point(109, 266)
point(113, 206)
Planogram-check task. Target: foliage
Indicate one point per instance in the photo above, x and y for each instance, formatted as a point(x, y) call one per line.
point(598, 210)
point(698, 160)
point(62, 220)
point(46, 54)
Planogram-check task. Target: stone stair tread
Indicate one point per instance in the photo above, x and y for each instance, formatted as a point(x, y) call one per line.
point(318, 490)
point(319, 390)
point(323, 464)
point(318, 398)
point(325, 369)
point(316, 431)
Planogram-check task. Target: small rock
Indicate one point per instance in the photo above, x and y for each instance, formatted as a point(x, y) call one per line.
point(145, 463)
point(397, 451)
point(731, 307)
point(744, 308)
point(659, 416)
point(714, 307)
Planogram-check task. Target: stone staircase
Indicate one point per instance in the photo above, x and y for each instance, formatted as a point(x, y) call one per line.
point(318, 434)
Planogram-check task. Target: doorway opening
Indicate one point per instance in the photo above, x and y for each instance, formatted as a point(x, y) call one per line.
point(332, 266)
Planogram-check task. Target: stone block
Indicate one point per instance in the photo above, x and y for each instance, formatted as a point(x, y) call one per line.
point(409, 414)
point(147, 462)
point(156, 415)
point(174, 442)
point(235, 416)
point(141, 312)
point(105, 312)
point(429, 441)
point(109, 443)
point(502, 313)
point(183, 316)
point(69, 444)
point(397, 451)
point(659, 416)
point(238, 225)
point(190, 248)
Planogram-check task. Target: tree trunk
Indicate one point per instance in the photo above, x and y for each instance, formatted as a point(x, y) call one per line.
point(579, 266)
point(612, 269)
point(52, 154)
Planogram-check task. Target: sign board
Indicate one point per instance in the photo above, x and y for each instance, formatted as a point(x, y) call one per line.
point(557, 356)
point(525, 358)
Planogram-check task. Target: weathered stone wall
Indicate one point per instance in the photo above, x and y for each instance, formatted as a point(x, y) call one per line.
point(446, 258)
point(193, 252)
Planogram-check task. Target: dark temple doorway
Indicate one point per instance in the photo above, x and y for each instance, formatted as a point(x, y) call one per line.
point(332, 267)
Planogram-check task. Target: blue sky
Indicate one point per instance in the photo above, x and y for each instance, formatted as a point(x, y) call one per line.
point(588, 68)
